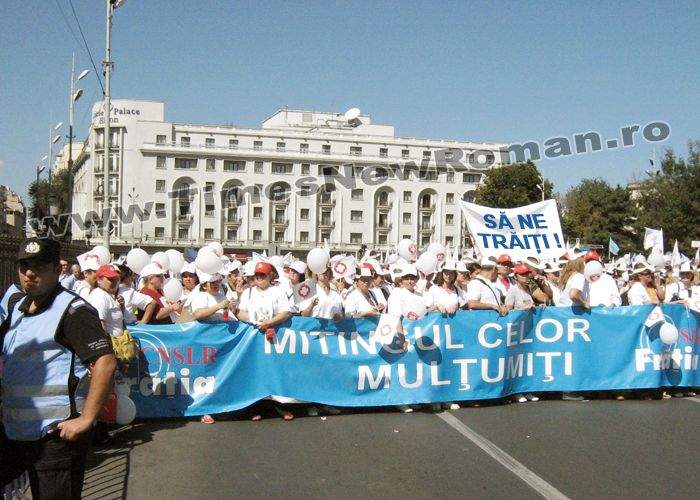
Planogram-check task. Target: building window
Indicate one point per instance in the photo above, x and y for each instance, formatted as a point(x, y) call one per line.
point(326, 218)
point(356, 238)
point(257, 235)
point(183, 233)
point(208, 233)
point(257, 145)
point(449, 240)
point(303, 148)
point(426, 155)
point(160, 139)
point(304, 214)
point(383, 152)
point(355, 150)
point(160, 161)
point(186, 163)
point(407, 217)
point(282, 168)
point(449, 219)
point(160, 185)
point(281, 146)
point(305, 169)
point(233, 143)
point(427, 174)
point(160, 210)
point(257, 212)
point(234, 166)
point(305, 190)
point(209, 142)
point(159, 232)
point(471, 178)
point(404, 153)
point(304, 236)
point(325, 236)
point(382, 239)
point(279, 236)
point(232, 233)
point(450, 198)
point(450, 177)
point(326, 149)
point(209, 210)
point(449, 154)
point(357, 194)
point(328, 170)
point(407, 196)
point(185, 142)
point(356, 215)
point(211, 164)
point(259, 168)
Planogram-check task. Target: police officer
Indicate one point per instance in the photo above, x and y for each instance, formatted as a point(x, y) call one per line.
point(50, 338)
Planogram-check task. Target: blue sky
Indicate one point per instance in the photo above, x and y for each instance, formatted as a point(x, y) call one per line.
point(484, 71)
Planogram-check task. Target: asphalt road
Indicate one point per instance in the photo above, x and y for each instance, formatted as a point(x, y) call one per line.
point(551, 449)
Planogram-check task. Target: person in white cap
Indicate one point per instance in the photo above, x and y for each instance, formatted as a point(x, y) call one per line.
point(327, 304)
point(152, 276)
point(296, 272)
point(647, 290)
point(190, 284)
point(380, 287)
point(233, 287)
point(89, 264)
point(361, 302)
point(133, 299)
point(211, 304)
point(464, 275)
point(552, 271)
point(404, 301)
point(445, 296)
point(680, 291)
point(482, 292)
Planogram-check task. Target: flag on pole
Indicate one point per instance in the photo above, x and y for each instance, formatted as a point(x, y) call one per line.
point(676, 260)
point(654, 238)
point(612, 247)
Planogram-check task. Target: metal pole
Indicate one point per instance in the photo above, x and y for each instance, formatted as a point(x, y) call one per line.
point(50, 148)
point(70, 116)
point(107, 65)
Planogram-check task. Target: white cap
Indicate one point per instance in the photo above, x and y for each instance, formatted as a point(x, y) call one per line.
point(533, 262)
point(249, 269)
point(462, 267)
point(298, 266)
point(207, 278)
point(233, 266)
point(551, 267)
point(152, 269)
point(449, 265)
point(641, 267)
point(486, 262)
point(685, 267)
point(189, 267)
point(89, 261)
point(363, 272)
point(406, 270)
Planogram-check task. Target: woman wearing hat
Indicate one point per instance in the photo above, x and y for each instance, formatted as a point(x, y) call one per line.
point(573, 282)
point(445, 296)
point(552, 272)
point(327, 304)
point(361, 302)
point(104, 298)
point(133, 299)
point(152, 276)
point(211, 304)
point(519, 295)
point(648, 289)
point(680, 291)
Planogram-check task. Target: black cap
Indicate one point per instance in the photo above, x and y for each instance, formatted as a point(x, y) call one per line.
point(41, 249)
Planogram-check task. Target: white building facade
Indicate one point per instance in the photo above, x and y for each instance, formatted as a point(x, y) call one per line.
point(302, 178)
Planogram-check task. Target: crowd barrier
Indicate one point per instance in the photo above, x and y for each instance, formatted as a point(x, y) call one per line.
point(191, 369)
point(16, 489)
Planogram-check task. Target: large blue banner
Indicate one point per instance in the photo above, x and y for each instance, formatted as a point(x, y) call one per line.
point(206, 368)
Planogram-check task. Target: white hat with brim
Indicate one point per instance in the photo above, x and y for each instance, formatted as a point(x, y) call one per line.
point(449, 265)
point(642, 267)
point(88, 262)
point(551, 267)
point(152, 269)
point(249, 269)
point(685, 268)
point(534, 262)
point(208, 278)
point(407, 270)
point(189, 268)
point(299, 266)
point(233, 266)
point(462, 267)
point(487, 262)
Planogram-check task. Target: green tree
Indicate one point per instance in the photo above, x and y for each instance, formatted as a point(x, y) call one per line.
point(671, 199)
point(43, 194)
point(595, 211)
point(512, 186)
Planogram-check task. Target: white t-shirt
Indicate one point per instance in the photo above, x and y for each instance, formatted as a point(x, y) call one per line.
point(577, 281)
point(604, 292)
point(379, 295)
point(133, 299)
point(78, 286)
point(108, 310)
point(556, 292)
point(329, 306)
point(518, 298)
point(356, 303)
point(263, 305)
point(404, 303)
point(502, 286)
point(481, 290)
point(202, 300)
point(637, 295)
point(437, 295)
point(676, 288)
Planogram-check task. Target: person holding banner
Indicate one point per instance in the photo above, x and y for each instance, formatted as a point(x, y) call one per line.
point(552, 272)
point(680, 291)
point(504, 268)
point(361, 302)
point(328, 304)
point(647, 290)
point(573, 282)
point(211, 304)
point(482, 292)
point(445, 296)
point(519, 295)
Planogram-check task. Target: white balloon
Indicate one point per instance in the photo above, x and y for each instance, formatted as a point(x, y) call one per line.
point(103, 255)
point(592, 268)
point(137, 259)
point(172, 290)
point(391, 259)
point(427, 263)
point(317, 260)
point(126, 410)
point(668, 333)
point(438, 250)
point(407, 249)
point(656, 260)
point(161, 258)
point(217, 247)
point(176, 259)
point(207, 261)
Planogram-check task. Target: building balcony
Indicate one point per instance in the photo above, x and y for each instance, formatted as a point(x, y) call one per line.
point(326, 202)
point(387, 205)
point(326, 224)
point(233, 221)
point(427, 208)
point(384, 227)
point(280, 223)
point(184, 218)
point(427, 228)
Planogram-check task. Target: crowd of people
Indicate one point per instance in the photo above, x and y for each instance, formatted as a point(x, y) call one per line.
point(267, 290)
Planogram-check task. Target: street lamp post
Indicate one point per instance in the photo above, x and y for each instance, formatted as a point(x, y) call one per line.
point(133, 197)
point(107, 65)
point(52, 140)
point(74, 96)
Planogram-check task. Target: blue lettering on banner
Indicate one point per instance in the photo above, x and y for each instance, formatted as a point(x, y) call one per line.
point(198, 368)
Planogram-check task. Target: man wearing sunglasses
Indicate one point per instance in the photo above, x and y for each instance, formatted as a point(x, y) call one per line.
point(50, 337)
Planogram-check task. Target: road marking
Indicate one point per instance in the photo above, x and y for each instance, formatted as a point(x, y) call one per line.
point(694, 399)
point(533, 480)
